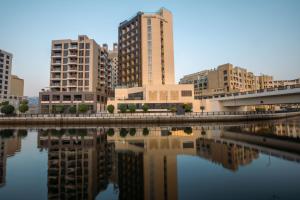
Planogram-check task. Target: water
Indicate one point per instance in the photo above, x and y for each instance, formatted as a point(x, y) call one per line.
point(258, 160)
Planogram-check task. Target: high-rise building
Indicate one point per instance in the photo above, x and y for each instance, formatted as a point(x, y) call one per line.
point(11, 86)
point(146, 49)
point(113, 56)
point(265, 81)
point(146, 65)
point(80, 73)
point(5, 73)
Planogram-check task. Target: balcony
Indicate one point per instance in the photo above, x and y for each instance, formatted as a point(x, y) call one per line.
point(55, 69)
point(55, 55)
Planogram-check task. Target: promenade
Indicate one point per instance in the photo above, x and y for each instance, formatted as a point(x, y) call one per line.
point(134, 118)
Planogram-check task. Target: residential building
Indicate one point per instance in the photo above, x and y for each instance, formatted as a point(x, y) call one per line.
point(225, 79)
point(80, 73)
point(17, 86)
point(113, 56)
point(146, 64)
point(284, 83)
point(146, 49)
point(11, 86)
point(199, 80)
point(265, 81)
point(5, 73)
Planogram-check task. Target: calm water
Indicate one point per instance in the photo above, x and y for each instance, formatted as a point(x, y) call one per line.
point(218, 161)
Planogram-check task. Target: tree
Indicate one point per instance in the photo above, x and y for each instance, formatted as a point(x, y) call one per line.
point(7, 109)
point(123, 132)
point(132, 131)
point(24, 101)
point(82, 108)
point(188, 130)
point(110, 132)
point(72, 109)
point(22, 133)
point(202, 108)
point(132, 108)
point(145, 131)
point(145, 107)
point(4, 103)
point(23, 108)
point(110, 108)
point(187, 107)
point(173, 109)
point(123, 108)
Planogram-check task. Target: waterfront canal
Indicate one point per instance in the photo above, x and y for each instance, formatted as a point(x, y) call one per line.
point(255, 160)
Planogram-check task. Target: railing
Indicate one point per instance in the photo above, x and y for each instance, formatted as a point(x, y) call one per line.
point(166, 114)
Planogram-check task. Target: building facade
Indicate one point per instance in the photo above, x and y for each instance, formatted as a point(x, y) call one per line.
point(284, 83)
point(146, 64)
point(5, 73)
point(11, 86)
point(113, 56)
point(225, 79)
point(17, 86)
point(79, 70)
point(146, 49)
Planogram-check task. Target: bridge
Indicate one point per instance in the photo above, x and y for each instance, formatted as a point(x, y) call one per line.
point(239, 101)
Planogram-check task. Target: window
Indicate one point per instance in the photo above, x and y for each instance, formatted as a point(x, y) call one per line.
point(65, 61)
point(86, 83)
point(45, 97)
point(87, 68)
point(81, 46)
point(87, 45)
point(65, 53)
point(87, 53)
point(66, 45)
point(87, 60)
point(186, 93)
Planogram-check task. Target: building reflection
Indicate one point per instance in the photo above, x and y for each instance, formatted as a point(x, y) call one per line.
point(79, 162)
point(10, 144)
point(140, 163)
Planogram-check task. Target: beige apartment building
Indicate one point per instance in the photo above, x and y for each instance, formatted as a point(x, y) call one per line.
point(284, 83)
point(80, 73)
point(146, 49)
point(17, 86)
point(265, 81)
point(146, 64)
point(225, 79)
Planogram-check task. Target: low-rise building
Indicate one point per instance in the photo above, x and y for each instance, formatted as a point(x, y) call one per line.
point(225, 79)
point(284, 83)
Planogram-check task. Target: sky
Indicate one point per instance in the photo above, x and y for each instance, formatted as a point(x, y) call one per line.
point(260, 35)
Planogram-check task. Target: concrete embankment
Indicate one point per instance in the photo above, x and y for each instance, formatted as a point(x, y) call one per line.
point(137, 118)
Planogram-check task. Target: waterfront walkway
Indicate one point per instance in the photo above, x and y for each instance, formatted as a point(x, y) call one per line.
point(133, 118)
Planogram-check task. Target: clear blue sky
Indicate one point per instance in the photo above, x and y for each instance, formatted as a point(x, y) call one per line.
point(260, 35)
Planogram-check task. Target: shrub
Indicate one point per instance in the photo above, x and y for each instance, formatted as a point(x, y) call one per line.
point(22, 133)
point(58, 109)
point(83, 108)
point(145, 131)
point(132, 108)
point(123, 108)
point(173, 109)
point(110, 108)
point(72, 109)
point(4, 103)
point(145, 107)
point(7, 109)
point(23, 108)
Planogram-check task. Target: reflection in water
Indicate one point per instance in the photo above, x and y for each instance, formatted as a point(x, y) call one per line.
point(10, 143)
point(79, 162)
point(142, 162)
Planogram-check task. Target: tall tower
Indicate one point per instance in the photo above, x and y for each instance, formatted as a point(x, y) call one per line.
point(146, 53)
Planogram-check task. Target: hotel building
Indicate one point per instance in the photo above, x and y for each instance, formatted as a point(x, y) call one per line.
point(80, 73)
point(146, 64)
point(146, 49)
